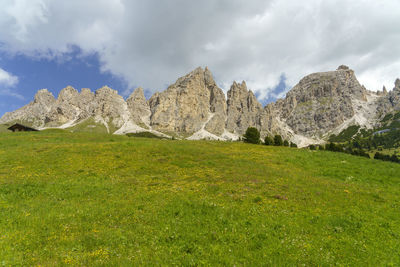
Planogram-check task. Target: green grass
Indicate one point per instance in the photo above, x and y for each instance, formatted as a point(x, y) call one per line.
point(102, 200)
point(3, 128)
point(89, 126)
point(144, 134)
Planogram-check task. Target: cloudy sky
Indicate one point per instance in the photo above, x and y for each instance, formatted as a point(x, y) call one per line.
point(129, 43)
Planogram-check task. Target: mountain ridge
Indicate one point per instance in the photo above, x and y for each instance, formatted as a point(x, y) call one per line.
point(194, 107)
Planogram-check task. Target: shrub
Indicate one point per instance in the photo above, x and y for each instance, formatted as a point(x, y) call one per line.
point(278, 141)
point(268, 141)
point(381, 156)
point(293, 144)
point(285, 143)
point(143, 134)
point(360, 152)
point(252, 136)
point(312, 147)
point(394, 158)
point(334, 147)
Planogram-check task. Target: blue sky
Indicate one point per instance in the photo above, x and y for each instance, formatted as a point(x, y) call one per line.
point(271, 44)
point(72, 69)
point(54, 75)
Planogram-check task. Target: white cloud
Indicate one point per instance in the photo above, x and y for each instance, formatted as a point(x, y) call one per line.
point(151, 43)
point(7, 79)
point(7, 82)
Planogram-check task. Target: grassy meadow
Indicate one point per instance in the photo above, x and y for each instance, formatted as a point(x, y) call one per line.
point(90, 199)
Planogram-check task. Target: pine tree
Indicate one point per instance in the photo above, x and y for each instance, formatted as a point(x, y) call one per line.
point(285, 143)
point(278, 140)
point(252, 136)
point(268, 141)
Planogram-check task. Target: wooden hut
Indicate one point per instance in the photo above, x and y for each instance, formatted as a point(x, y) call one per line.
point(21, 128)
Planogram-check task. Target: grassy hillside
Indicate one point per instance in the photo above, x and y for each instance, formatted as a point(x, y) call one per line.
point(3, 128)
point(92, 199)
point(89, 126)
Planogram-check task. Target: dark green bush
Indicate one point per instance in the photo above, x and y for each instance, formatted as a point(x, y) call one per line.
point(252, 136)
point(285, 143)
point(143, 134)
point(268, 141)
point(278, 141)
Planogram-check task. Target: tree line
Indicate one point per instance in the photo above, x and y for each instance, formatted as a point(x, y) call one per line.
point(253, 136)
point(354, 150)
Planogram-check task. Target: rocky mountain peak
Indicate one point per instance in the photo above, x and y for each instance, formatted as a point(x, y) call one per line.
point(85, 91)
point(343, 67)
point(105, 90)
point(208, 77)
point(43, 96)
point(86, 95)
point(189, 105)
point(397, 84)
point(320, 102)
point(237, 89)
point(139, 107)
point(137, 94)
point(243, 108)
point(195, 107)
point(67, 94)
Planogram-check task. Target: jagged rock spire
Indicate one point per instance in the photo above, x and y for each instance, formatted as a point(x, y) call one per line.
point(192, 103)
point(67, 93)
point(139, 107)
point(397, 84)
point(343, 67)
point(384, 90)
point(243, 108)
point(44, 96)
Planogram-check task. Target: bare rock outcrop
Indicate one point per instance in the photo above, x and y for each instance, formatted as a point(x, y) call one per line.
point(139, 107)
point(243, 109)
point(110, 108)
point(320, 102)
point(65, 108)
point(192, 103)
point(391, 101)
point(35, 113)
point(195, 107)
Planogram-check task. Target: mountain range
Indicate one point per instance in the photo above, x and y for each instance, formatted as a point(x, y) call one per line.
point(194, 107)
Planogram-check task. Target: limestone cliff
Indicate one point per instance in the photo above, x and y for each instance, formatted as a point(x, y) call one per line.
point(195, 107)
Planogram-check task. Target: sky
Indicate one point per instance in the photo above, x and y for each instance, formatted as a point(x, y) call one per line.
point(124, 44)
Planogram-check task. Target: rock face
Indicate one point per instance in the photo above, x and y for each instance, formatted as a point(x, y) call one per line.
point(321, 102)
point(243, 111)
point(138, 107)
point(192, 102)
point(195, 107)
point(70, 105)
point(390, 101)
point(35, 113)
point(110, 107)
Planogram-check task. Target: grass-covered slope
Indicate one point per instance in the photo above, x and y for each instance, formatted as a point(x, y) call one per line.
point(87, 199)
point(89, 126)
point(3, 128)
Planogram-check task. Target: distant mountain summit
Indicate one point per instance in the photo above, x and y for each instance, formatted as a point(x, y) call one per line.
point(194, 107)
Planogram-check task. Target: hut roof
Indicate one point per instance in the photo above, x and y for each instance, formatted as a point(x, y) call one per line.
point(20, 127)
